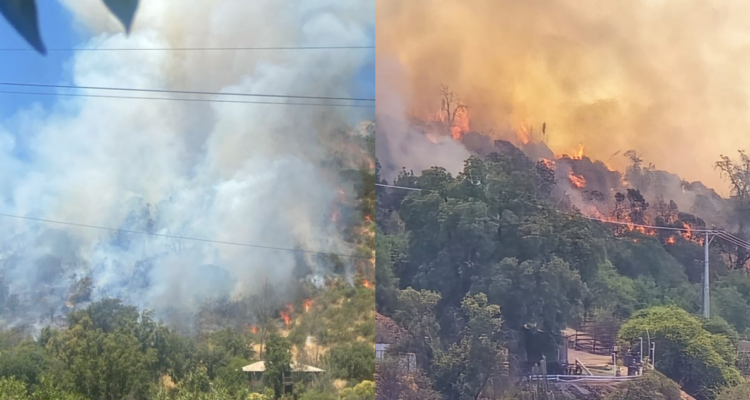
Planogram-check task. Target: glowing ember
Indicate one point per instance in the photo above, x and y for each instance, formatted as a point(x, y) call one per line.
point(577, 180)
point(689, 233)
point(548, 163)
point(307, 304)
point(366, 284)
point(578, 155)
point(671, 240)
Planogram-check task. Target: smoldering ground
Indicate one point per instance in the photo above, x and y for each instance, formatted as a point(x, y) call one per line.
point(258, 174)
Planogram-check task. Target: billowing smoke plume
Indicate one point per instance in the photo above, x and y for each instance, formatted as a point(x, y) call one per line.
point(258, 174)
point(668, 79)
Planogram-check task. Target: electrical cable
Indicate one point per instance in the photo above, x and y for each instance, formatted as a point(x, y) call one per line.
point(293, 48)
point(257, 246)
point(41, 85)
point(188, 100)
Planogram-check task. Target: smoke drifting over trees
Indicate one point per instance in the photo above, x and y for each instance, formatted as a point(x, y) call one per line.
point(259, 174)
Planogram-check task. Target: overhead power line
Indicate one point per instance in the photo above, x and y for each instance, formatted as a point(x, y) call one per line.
point(293, 48)
point(256, 246)
point(398, 187)
point(183, 92)
point(187, 100)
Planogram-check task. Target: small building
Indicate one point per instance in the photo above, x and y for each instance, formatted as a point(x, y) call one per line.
point(388, 334)
point(300, 373)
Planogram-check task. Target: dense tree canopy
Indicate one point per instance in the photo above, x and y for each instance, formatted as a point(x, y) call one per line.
point(496, 230)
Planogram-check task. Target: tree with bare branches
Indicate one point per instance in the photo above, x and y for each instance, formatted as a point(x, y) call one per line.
point(737, 173)
point(450, 106)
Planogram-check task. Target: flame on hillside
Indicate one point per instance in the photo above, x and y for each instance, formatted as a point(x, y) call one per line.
point(366, 284)
point(460, 123)
point(578, 155)
point(286, 314)
point(577, 180)
point(307, 304)
point(523, 134)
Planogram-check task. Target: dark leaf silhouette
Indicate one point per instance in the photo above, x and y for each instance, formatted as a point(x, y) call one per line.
point(124, 10)
point(22, 16)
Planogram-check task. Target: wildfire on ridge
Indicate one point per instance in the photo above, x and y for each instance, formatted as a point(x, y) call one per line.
point(307, 304)
point(366, 284)
point(577, 180)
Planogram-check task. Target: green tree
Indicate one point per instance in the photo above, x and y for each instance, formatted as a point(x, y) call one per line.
point(364, 390)
point(464, 368)
point(740, 392)
point(700, 361)
point(12, 389)
point(278, 360)
point(353, 361)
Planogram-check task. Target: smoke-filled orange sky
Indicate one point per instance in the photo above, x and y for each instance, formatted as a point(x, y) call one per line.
point(669, 79)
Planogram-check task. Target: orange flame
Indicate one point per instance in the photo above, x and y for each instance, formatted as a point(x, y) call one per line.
point(523, 134)
point(548, 163)
point(689, 234)
point(578, 155)
point(460, 123)
point(366, 284)
point(671, 240)
point(307, 304)
point(285, 317)
point(577, 180)
point(254, 329)
point(285, 314)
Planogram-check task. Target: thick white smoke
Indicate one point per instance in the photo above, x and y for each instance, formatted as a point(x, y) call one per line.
point(230, 172)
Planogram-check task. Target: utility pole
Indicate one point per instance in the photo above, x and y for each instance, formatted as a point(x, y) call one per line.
point(640, 358)
point(706, 291)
